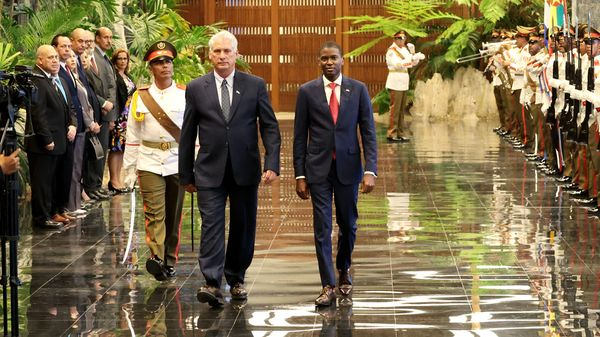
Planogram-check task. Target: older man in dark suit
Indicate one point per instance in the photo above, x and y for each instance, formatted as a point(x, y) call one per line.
point(225, 109)
point(101, 77)
point(52, 124)
point(93, 169)
point(327, 161)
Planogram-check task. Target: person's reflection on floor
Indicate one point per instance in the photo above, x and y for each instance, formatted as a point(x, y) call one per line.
point(164, 312)
point(217, 322)
point(51, 312)
point(337, 321)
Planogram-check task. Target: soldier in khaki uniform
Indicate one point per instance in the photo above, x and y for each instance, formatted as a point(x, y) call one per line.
point(151, 154)
point(399, 58)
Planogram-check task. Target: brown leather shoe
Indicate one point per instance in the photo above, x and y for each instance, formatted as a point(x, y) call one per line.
point(238, 292)
point(326, 297)
point(210, 295)
point(345, 282)
point(60, 218)
point(68, 217)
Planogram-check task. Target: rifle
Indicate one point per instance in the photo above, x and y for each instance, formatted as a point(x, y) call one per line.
point(566, 113)
point(590, 87)
point(577, 103)
point(551, 115)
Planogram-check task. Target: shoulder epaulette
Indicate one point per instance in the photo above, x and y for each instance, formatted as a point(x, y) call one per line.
point(181, 86)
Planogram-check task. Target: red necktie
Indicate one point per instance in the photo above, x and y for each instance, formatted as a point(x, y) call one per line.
point(93, 64)
point(334, 105)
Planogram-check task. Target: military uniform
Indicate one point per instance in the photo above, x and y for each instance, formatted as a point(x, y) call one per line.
point(153, 152)
point(399, 60)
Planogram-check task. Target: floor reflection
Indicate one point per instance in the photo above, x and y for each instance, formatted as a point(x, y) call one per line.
point(461, 238)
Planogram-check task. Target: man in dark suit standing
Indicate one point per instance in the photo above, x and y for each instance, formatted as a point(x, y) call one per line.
point(93, 169)
point(63, 47)
point(53, 125)
point(101, 77)
point(225, 109)
point(327, 162)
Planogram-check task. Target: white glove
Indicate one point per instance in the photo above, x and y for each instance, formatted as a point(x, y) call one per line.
point(130, 178)
point(411, 48)
point(419, 56)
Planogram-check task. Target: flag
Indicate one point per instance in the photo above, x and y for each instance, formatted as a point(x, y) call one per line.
point(554, 13)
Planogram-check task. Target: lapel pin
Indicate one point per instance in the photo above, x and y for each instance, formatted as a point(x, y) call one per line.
point(237, 92)
point(347, 90)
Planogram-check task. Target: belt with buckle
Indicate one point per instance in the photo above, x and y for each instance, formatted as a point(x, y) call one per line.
point(160, 145)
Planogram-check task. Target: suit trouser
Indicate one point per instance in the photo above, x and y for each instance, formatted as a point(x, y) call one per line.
point(501, 104)
point(214, 260)
point(549, 146)
point(163, 200)
point(93, 169)
point(398, 102)
point(593, 140)
point(50, 177)
point(74, 202)
point(346, 213)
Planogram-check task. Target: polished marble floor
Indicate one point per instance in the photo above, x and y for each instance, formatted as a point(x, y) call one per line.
point(460, 238)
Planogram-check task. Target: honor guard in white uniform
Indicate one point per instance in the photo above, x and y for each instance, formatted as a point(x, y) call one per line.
point(151, 155)
point(519, 56)
point(399, 59)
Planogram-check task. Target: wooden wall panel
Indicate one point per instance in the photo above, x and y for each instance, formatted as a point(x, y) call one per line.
point(280, 39)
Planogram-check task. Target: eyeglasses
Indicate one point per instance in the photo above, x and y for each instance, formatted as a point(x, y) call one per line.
point(532, 41)
point(399, 38)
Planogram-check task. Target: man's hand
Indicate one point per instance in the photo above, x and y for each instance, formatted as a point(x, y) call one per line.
point(108, 106)
point(190, 188)
point(95, 128)
point(268, 177)
point(302, 189)
point(10, 164)
point(50, 146)
point(368, 183)
point(111, 125)
point(71, 133)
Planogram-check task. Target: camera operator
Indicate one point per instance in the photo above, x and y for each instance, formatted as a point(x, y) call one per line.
point(9, 164)
point(54, 125)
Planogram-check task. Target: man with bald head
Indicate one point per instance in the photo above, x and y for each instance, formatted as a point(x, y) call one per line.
point(93, 169)
point(53, 124)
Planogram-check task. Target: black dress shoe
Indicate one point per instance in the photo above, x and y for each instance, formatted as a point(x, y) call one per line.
point(170, 271)
point(585, 201)
point(345, 282)
point(563, 179)
point(97, 195)
point(210, 295)
point(238, 292)
point(49, 224)
point(394, 140)
point(577, 192)
point(571, 186)
point(326, 297)
point(156, 267)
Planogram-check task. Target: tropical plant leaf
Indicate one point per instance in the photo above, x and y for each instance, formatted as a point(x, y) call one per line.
point(8, 57)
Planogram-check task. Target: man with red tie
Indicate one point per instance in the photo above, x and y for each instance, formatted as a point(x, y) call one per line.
point(327, 162)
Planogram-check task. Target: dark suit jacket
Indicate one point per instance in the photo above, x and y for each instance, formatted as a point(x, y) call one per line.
point(92, 98)
point(316, 137)
point(122, 93)
point(62, 73)
point(238, 138)
point(103, 83)
point(50, 117)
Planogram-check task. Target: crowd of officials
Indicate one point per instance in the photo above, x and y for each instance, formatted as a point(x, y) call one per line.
point(204, 139)
point(77, 123)
point(547, 88)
